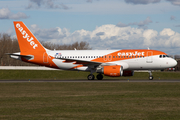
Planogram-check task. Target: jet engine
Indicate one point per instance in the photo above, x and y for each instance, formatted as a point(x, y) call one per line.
point(113, 70)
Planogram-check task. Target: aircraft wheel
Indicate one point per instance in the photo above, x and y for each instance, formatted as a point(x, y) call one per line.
point(99, 76)
point(90, 77)
point(150, 77)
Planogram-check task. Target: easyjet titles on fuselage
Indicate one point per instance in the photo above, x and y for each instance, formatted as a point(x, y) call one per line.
point(136, 53)
point(26, 36)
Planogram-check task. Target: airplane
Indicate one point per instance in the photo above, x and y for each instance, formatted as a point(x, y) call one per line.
point(114, 63)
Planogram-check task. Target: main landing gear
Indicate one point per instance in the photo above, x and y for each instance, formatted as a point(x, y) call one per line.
point(150, 75)
point(91, 77)
point(99, 76)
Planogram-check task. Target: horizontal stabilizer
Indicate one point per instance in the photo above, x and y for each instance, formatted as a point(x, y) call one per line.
point(17, 56)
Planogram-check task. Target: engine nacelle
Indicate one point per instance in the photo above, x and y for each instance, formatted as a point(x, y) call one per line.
point(128, 73)
point(113, 70)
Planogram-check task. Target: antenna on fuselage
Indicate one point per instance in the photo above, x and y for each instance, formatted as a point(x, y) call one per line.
point(148, 48)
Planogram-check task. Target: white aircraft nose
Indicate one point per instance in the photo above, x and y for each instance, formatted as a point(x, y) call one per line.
point(173, 63)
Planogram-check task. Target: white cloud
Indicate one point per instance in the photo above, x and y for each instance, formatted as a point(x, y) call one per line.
point(175, 2)
point(142, 24)
point(5, 13)
point(112, 37)
point(47, 4)
point(10, 31)
point(142, 1)
point(148, 36)
point(167, 32)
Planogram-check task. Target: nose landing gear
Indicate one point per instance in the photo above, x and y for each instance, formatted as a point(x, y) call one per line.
point(150, 75)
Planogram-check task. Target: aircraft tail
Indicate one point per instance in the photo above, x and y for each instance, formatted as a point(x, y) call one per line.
point(27, 41)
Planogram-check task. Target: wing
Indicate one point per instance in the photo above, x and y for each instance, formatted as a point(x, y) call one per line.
point(77, 61)
point(91, 64)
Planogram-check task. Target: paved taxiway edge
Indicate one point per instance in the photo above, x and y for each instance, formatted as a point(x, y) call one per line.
point(19, 81)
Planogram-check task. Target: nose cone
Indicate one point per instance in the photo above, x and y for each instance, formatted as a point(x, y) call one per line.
point(173, 63)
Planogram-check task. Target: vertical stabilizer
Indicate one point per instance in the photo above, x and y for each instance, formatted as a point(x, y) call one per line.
point(27, 41)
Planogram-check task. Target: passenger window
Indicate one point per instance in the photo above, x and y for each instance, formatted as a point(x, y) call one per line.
point(160, 56)
point(164, 56)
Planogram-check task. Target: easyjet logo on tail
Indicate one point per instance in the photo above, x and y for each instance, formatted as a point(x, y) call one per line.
point(26, 36)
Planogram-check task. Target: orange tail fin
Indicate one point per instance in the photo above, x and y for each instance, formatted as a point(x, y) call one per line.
point(27, 41)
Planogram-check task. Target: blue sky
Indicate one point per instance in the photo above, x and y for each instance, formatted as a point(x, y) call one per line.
point(104, 24)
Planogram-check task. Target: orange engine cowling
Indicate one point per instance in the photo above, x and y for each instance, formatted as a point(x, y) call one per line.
point(113, 71)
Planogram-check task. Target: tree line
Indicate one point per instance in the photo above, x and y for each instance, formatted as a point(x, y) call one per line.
point(10, 45)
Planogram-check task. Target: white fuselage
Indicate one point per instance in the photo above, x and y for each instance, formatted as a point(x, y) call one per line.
point(140, 63)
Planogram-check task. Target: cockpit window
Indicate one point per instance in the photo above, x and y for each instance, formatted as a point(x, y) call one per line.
point(163, 56)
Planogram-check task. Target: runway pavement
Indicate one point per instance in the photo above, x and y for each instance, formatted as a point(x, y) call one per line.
point(18, 81)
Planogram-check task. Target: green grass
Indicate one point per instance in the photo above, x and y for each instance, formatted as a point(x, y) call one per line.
point(63, 75)
point(90, 101)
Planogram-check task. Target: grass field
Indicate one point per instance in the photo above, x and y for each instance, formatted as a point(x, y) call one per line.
point(90, 101)
point(87, 100)
point(63, 75)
